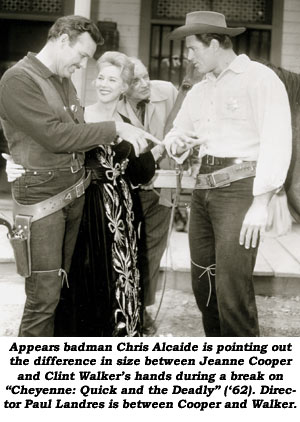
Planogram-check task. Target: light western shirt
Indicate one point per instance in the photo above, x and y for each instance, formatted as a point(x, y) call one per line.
point(243, 113)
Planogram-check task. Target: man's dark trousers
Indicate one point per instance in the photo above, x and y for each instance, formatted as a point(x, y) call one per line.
point(221, 268)
point(153, 241)
point(52, 243)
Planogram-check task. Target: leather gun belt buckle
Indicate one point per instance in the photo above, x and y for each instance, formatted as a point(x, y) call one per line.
point(226, 176)
point(215, 180)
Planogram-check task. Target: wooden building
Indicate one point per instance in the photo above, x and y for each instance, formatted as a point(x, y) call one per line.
point(273, 30)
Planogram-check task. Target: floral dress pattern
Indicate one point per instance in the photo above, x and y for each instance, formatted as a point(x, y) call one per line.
point(123, 245)
point(104, 294)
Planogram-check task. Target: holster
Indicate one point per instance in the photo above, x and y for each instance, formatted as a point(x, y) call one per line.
point(27, 214)
point(20, 242)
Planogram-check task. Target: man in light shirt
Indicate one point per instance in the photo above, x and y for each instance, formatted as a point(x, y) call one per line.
point(238, 118)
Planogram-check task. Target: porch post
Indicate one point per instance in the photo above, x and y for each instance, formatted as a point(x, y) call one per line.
point(82, 8)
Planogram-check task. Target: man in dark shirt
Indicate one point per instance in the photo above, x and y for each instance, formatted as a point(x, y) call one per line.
point(43, 124)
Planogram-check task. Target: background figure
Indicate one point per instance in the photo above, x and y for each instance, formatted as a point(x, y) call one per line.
point(239, 116)
point(147, 104)
point(43, 124)
point(104, 294)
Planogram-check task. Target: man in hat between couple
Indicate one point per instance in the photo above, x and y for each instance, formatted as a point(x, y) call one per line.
point(238, 117)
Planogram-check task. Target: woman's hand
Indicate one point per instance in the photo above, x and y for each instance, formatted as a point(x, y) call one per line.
point(13, 170)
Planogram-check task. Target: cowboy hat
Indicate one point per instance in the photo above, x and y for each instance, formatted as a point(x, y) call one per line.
point(204, 23)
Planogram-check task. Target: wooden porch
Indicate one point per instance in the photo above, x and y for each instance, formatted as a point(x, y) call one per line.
point(277, 269)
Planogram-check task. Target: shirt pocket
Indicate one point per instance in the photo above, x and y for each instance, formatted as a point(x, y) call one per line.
point(233, 107)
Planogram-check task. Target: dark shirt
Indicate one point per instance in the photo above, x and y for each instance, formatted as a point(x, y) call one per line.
point(23, 105)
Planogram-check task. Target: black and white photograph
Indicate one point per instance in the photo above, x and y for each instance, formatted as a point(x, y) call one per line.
point(150, 202)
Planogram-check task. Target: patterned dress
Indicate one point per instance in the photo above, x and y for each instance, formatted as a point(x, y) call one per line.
point(104, 294)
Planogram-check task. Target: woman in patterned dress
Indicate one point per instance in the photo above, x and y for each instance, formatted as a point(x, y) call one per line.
point(104, 294)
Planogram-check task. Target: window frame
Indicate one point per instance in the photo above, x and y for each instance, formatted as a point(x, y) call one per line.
point(276, 29)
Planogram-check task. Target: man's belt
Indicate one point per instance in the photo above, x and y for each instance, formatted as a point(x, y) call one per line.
point(55, 203)
point(226, 175)
point(210, 160)
point(24, 215)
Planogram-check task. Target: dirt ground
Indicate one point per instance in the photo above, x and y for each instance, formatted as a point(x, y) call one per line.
point(179, 316)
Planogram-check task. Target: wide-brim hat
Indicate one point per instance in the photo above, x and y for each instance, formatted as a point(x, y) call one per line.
point(204, 23)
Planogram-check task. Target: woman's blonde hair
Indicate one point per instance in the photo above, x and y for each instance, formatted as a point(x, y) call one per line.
point(120, 60)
